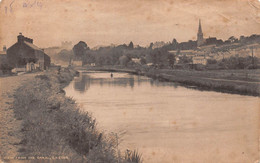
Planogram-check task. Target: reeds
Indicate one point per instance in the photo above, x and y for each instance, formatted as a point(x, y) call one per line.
point(133, 156)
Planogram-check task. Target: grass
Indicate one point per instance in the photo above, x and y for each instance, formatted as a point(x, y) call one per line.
point(243, 75)
point(133, 156)
point(205, 82)
point(53, 125)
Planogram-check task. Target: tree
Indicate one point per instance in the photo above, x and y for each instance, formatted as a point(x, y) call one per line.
point(65, 55)
point(211, 61)
point(159, 57)
point(124, 60)
point(185, 59)
point(151, 46)
point(108, 60)
point(80, 49)
point(171, 60)
point(174, 42)
point(100, 61)
point(88, 59)
point(143, 61)
point(131, 45)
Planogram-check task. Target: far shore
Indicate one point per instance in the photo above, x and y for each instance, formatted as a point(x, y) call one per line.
point(243, 82)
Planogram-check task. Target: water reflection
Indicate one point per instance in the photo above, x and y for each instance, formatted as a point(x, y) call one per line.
point(174, 123)
point(83, 82)
point(156, 82)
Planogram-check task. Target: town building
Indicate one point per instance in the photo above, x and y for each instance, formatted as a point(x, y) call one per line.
point(24, 54)
point(188, 53)
point(213, 41)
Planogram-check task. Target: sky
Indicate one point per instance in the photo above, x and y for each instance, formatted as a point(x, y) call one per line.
point(105, 22)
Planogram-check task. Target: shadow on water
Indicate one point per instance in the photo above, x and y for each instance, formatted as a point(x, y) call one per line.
point(83, 82)
point(157, 83)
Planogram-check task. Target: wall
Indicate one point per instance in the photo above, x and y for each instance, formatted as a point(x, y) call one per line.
point(19, 54)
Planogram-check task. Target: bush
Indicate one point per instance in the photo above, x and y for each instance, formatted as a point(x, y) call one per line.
point(42, 77)
point(211, 61)
point(239, 62)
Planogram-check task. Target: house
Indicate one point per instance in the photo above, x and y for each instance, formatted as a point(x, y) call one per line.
point(183, 53)
point(24, 54)
point(188, 53)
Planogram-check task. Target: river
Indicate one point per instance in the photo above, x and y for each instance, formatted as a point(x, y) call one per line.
point(169, 123)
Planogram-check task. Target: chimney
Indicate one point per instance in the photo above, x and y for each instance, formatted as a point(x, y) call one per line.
point(20, 38)
point(4, 48)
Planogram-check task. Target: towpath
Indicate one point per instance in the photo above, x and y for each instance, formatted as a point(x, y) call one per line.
point(9, 126)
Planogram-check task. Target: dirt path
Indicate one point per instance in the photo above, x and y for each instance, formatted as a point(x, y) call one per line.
point(9, 126)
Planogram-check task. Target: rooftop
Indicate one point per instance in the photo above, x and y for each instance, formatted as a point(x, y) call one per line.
point(32, 46)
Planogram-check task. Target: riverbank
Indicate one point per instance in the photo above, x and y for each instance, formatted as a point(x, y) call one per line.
point(244, 82)
point(52, 125)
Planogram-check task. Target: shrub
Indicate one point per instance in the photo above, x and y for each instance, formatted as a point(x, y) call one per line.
point(42, 77)
point(211, 61)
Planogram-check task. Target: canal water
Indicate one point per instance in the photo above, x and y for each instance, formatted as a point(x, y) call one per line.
point(170, 123)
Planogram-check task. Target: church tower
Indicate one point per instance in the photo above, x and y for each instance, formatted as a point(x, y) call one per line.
point(200, 39)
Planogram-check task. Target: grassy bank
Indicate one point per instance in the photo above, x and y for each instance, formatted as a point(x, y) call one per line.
point(53, 125)
point(216, 81)
point(213, 84)
point(245, 82)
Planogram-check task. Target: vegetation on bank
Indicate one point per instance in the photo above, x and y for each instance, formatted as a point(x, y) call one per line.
point(203, 82)
point(245, 82)
point(53, 125)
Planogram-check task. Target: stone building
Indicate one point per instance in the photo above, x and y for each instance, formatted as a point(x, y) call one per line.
point(24, 54)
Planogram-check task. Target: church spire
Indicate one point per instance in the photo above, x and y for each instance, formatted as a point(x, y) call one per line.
point(200, 30)
point(200, 39)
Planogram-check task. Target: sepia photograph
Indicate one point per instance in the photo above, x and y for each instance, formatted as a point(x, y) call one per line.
point(129, 81)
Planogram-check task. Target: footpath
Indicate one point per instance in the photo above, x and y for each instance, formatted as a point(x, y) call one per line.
point(10, 136)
